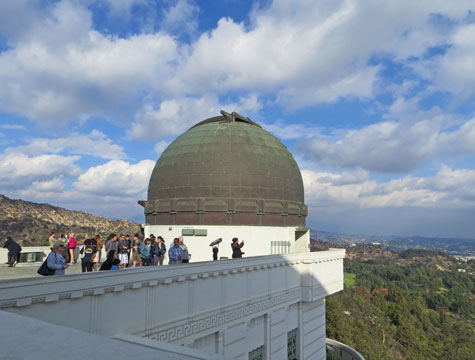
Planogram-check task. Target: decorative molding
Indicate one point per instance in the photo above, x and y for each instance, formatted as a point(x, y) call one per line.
point(38, 300)
point(7, 304)
point(178, 332)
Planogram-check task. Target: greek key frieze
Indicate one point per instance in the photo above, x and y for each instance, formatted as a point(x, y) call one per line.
point(203, 324)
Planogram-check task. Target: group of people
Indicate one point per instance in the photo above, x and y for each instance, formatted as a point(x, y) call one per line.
point(151, 251)
point(121, 252)
point(63, 253)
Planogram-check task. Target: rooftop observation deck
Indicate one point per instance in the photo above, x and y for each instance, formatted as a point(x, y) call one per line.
point(165, 307)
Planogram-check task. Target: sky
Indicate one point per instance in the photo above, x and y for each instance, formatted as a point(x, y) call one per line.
point(375, 99)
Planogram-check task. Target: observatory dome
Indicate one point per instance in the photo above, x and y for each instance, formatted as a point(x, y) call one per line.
point(226, 170)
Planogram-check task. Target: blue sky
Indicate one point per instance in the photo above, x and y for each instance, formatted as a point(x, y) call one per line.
point(375, 101)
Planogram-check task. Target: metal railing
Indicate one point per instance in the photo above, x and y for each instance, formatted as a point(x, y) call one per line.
point(339, 351)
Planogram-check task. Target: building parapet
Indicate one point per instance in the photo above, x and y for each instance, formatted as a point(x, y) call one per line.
point(221, 307)
point(206, 291)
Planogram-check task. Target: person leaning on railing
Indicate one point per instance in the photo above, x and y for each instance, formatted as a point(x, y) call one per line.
point(14, 250)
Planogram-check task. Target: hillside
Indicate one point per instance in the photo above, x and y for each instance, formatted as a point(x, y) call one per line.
point(30, 223)
point(417, 304)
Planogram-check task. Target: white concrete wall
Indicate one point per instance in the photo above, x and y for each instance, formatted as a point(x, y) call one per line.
point(257, 239)
point(228, 307)
point(313, 330)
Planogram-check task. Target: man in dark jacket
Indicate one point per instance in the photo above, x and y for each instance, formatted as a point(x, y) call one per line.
point(111, 244)
point(236, 247)
point(14, 251)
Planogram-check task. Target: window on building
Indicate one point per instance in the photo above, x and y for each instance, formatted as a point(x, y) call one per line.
point(280, 247)
point(292, 345)
point(194, 232)
point(257, 354)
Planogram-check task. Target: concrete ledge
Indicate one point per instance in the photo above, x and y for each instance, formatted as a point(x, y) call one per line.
point(171, 348)
point(27, 338)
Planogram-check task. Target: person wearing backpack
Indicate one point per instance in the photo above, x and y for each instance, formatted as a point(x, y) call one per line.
point(55, 261)
point(88, 250)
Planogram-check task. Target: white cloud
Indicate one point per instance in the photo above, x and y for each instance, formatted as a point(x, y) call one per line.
point(458, 184)
point(171, 117)
point(309, 52)
point(453, 72)
point(284, 130)
point(448, 188)
point(384, 147)
point(54, 185)
point(409, 138)
point(19, 171)
point(66, 70)
point(116, 178)
point(112, 207)
point(160, 146)
point(111, 189)
point(181, 17)
point(288, 53)
point(174, 116)
point(358, 84)
point(95, 144)
point(304, 52)
point(460, 141)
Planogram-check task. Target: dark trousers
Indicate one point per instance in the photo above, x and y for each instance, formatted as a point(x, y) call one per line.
point(145, 262)
point(86, 266)
point(12, 258)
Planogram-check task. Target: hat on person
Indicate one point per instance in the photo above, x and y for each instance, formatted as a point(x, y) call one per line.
point(57, 244)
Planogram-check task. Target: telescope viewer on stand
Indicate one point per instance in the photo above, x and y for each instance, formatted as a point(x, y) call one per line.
point(215, 245)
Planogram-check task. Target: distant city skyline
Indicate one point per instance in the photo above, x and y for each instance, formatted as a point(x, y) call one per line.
point(375, 103)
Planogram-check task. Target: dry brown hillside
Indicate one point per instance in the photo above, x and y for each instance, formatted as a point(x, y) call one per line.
point(31, 223)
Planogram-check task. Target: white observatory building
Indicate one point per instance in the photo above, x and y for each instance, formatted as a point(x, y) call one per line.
point(227, 177)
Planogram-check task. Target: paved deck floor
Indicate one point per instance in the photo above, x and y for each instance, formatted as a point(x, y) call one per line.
point(25, 270)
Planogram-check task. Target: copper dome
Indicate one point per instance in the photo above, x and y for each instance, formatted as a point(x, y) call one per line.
point(226, 170)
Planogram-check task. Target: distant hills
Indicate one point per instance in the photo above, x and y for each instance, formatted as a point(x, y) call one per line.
point(30, 223)
point(454, 246)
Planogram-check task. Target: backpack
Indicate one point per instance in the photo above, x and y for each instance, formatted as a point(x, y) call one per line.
point(44, 269)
